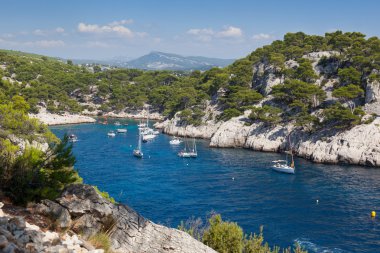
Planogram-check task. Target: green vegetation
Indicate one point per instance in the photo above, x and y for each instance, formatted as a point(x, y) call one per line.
point(267, 114)
point(105, 195)
point(31, 173)
point(228, 237)
point(339, 116)
point(62, 86)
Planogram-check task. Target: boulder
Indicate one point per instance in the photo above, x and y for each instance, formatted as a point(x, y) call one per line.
point(54, 211)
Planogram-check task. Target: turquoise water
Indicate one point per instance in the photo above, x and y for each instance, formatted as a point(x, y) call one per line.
point(168, 189)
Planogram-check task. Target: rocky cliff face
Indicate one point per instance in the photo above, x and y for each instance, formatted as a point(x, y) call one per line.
point(359, 145)
point(83, 210)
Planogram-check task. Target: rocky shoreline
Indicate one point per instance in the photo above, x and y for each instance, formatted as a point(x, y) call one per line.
point(358, 146)
point(51, 119)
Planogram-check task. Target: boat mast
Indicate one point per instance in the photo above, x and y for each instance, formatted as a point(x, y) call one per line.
point(291, 153)
point(194, 146)
point(139, 147)
point(147, 117)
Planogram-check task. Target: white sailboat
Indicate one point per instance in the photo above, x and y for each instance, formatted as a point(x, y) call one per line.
point(192, 153)
point(148, 133)
point(138, 152)
point(283, 166)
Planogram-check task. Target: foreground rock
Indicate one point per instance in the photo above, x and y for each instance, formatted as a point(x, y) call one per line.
point(17, 235)
point(82, 209)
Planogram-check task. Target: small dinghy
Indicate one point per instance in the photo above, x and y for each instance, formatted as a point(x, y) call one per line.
point(121, 130)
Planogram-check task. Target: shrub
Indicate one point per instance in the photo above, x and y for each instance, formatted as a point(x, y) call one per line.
point(36, 175)
point(228, 237)
point(105, 195)
point(224, 237)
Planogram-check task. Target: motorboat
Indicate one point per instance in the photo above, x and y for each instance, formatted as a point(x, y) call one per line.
point(73, 138)
point(121, 130)
point(111, 134)
point(175, 141)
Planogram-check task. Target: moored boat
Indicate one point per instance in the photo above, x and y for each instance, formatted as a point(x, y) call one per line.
point(73, 138)
point(175, 141)
point(111, 134)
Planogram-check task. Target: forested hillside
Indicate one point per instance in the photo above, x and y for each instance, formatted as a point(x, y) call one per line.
point(317, 80)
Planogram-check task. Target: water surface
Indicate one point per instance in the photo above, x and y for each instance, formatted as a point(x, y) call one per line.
point(236, 183)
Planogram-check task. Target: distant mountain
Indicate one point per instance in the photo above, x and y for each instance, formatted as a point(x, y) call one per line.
point(165, 61)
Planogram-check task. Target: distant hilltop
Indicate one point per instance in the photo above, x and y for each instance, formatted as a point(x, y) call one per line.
point(164, 61)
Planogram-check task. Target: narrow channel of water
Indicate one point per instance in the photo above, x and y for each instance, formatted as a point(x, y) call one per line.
point(236, 183)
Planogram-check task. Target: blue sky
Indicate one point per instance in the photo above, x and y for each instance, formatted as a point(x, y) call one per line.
point(225, 29)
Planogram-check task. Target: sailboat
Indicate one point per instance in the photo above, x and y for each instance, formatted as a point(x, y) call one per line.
point(148, 133)
point(137, 152)
point(189, 153)
point(283, 166)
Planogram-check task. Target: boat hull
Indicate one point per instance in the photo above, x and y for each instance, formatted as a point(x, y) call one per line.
point(138, 153)
point(284, 169)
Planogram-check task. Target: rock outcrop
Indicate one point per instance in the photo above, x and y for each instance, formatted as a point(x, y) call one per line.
point(265, 76)
point(372, 95)
point(19, 236)
point(359, 145)
point(89, 213)
point(172, 127)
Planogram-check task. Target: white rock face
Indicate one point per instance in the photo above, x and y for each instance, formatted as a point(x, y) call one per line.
point(372, 93)
point(359, 145)
point(265, 77)
point(171, 127)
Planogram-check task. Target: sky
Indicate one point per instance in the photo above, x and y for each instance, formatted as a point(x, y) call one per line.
point(75, 29)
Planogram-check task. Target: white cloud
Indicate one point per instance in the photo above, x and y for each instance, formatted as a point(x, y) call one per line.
point(262, 36)
point(116, 27)
point(207, 34)
point(204, 31)
point(39, 32)
point(230, 32)
point(121, 22)
point(59, 30)
point(45, 43)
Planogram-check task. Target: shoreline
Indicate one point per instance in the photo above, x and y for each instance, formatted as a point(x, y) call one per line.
point(52, 119)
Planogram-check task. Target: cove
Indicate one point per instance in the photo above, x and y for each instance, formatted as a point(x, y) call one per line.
point(167, 189)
